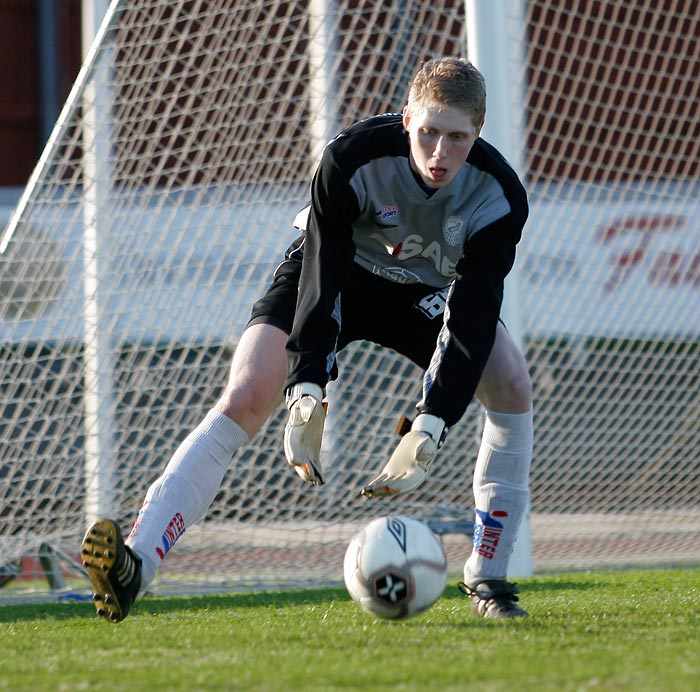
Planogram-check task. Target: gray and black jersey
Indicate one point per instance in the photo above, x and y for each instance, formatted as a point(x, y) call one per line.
point(369, 210)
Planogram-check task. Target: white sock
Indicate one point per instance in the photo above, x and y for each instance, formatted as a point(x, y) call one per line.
point(182, 495)
point(501, 493)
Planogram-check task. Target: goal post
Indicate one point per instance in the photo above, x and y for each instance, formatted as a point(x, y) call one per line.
point(488, 26)
point(98, 349)
point(213, 119)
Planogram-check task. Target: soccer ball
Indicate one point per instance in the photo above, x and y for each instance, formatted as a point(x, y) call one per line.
point(395, 567)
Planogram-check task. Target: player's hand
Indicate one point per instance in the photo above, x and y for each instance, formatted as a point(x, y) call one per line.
point(408, 466)
point(303, 433)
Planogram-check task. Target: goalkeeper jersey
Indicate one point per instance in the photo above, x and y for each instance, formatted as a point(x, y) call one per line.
point(368, 207)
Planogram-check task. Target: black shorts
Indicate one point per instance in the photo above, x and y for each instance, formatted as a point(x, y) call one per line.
point(404, 317)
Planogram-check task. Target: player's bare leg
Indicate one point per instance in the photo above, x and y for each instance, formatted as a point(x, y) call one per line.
point(505, 384)
point(182, 495)
point(501, 479)
point(256, 379)
point(190, 481)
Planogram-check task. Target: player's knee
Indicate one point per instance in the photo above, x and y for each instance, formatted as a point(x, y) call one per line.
point(520, 389)
point(250, 406)
point(510, 392)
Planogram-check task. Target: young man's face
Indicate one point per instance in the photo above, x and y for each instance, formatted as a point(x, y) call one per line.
point(440, 138)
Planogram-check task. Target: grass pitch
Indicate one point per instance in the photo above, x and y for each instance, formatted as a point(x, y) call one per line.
point(637, 631)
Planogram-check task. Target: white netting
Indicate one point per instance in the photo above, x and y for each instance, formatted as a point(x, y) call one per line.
point(165, 199)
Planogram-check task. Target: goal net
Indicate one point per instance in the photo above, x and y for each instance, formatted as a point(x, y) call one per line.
point(165, 198)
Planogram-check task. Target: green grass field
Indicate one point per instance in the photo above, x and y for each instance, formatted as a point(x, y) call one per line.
point(637, 631)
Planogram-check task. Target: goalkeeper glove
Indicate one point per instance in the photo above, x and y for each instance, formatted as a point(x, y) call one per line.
point(408, 466)
point(304, 430)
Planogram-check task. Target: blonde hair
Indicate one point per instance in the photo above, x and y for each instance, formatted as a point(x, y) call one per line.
point(453, 82)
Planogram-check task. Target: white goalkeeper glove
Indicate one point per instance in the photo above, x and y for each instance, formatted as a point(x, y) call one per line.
point(303, 433)
point(408, 466)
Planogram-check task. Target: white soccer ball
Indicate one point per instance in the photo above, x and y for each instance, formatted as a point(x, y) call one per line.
point(395, 567)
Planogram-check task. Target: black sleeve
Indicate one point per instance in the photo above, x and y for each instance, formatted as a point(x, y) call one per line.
point(328, 255)
point(473, 310)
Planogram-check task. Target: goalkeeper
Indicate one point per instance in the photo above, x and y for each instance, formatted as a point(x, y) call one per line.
point(410, 232)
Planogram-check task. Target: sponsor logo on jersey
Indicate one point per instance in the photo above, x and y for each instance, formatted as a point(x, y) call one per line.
point(386, 213)
point(173, 531)
point(414, 246)
point(487, 532)
point(397, 274)
point(393, 250)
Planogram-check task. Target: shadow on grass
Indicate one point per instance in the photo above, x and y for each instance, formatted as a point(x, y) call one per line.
point(155, 605)
point(559, 585)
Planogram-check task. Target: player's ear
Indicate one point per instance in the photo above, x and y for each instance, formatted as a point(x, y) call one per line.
point(478, 128)
point(406, 118)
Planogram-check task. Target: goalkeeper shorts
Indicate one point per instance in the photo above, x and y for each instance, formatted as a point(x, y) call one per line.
point(404, 317)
